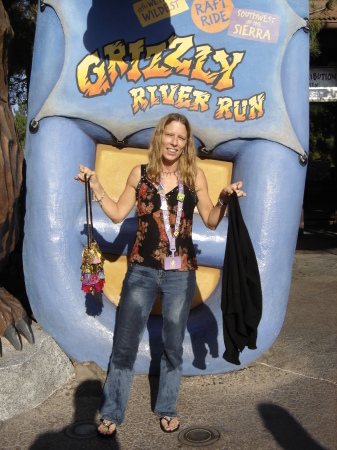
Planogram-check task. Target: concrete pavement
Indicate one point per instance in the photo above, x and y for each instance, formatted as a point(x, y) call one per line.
point(287, 399)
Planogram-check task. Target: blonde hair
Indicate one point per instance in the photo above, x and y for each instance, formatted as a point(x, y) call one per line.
point(187, 161)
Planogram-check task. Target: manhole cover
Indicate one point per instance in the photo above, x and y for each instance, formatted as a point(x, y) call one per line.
point(198, 436)
point(81, 430)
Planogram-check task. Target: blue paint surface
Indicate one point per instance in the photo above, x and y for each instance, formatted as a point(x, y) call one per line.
point(265, 155)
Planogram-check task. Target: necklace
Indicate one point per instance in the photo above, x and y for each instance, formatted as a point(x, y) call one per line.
point(169, 172)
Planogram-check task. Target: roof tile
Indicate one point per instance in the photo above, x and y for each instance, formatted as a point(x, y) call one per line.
point(318, 10)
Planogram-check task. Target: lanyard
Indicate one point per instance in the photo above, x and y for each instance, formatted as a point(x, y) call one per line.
point(171, 237)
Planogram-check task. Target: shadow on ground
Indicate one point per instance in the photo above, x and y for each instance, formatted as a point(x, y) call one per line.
point(289, 434)
point(317, 239)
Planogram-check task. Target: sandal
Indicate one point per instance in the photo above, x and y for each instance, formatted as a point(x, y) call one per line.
point(107, 424)
point(168, 420)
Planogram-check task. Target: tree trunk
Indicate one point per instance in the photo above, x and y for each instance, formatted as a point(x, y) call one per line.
point(11, 154)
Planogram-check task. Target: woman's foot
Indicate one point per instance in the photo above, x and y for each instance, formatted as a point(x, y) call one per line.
point(106, 429)
point(169, 424)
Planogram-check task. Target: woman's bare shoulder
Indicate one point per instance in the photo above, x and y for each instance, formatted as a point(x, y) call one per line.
point(200, 172)
point(200, 179)
point(135, 175)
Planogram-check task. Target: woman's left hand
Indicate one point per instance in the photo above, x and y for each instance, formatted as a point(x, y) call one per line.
point(228, 191)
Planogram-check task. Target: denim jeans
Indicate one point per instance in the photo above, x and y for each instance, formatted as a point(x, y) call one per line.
point(140, 288)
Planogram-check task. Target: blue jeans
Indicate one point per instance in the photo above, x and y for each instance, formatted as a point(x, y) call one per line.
point(140, 288)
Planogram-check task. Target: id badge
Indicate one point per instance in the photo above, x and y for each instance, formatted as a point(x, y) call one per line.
point(172, 263)
point(164, 205)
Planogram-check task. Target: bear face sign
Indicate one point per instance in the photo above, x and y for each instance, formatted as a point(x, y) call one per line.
point(102, 76)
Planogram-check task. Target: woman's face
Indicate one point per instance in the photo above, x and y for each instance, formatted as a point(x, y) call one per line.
point(173, 142)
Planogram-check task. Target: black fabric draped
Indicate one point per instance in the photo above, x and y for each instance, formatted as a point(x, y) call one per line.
point(241, 300)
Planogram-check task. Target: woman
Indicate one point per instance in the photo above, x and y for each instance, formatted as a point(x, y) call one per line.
point(162, 260)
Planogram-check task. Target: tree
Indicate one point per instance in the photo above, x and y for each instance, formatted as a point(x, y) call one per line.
point(322, 132)
point(12, 314)
point(20, 115)
point(323, 118)
point(10, 151)
point(316, 26)
point(22, 16)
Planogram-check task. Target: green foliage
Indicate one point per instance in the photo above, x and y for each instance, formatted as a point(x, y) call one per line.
point(322, 132)
point(22, 15)
point(315, 28)
point(20, 115)
point(316, 25)
point(331, 4)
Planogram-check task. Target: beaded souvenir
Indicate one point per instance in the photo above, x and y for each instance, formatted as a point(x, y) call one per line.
point(92, 271)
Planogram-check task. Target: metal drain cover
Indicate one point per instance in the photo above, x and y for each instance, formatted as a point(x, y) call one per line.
point(84, 429)
point(198, 436)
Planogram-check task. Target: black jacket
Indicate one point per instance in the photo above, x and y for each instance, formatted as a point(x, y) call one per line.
point(241, 300)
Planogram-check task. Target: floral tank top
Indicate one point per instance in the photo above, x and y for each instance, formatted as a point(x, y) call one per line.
point(152, 245)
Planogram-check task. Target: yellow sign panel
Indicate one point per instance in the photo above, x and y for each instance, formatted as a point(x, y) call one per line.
point(151, 11)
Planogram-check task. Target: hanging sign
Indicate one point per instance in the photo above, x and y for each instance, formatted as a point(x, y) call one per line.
point(218, 60)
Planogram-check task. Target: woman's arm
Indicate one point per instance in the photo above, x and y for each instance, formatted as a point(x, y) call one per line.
point(116, 211)
point(212, 215)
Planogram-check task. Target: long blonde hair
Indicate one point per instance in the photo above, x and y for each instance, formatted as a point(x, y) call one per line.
point(187, 161)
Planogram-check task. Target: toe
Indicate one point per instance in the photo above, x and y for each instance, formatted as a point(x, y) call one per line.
point(106, 428)
point(170, 424)
point(174, 423)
